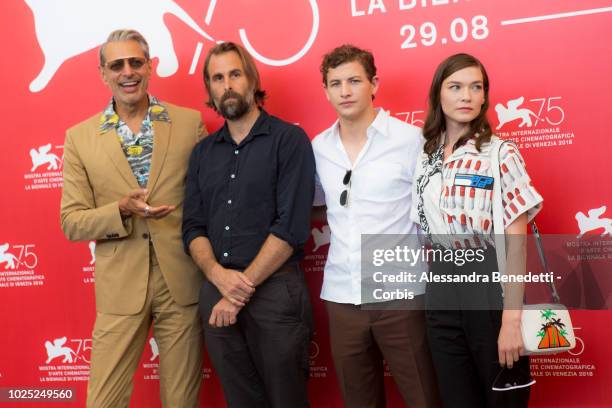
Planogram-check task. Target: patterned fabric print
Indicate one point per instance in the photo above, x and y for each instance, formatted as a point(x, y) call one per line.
point(432, 165)
point(518, 193)
point(138, 148)
point(469, 210)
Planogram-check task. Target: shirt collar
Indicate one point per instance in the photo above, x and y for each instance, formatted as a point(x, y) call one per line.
point(468, 147)
point(156, 112)
point(260, 127)
point(379, 125)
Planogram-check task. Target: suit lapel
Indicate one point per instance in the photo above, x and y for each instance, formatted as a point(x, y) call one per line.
point(161, 140)
point(110, 144)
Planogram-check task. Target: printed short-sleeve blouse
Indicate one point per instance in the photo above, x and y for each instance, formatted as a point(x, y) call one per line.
point(453, 197)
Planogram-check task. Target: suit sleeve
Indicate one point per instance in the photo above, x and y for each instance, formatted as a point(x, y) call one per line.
point(201, 131)
point(81, 219)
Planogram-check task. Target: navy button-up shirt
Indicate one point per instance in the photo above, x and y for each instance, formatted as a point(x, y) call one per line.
point(236, 195)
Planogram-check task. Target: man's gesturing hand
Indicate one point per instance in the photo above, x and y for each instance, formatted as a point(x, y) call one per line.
point(233, 285)
point(134, 204)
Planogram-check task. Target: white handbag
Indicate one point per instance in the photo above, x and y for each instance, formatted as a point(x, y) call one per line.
point(546, 327)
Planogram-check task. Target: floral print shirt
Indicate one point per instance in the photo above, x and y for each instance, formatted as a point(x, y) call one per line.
point(138, 148)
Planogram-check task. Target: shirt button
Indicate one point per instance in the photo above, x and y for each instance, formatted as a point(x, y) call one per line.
point(145, 235)
point(225, 254)
point(233, 176)
point(236, 152)
point(227, 227)
point(229, 201)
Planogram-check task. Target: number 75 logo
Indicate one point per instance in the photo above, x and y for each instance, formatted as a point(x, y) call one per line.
point(20, 255)
point(548, 111)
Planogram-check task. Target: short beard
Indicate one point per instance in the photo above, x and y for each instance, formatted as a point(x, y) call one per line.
point(235, 110)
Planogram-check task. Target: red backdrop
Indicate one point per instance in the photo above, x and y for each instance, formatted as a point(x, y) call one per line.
point(549, 64)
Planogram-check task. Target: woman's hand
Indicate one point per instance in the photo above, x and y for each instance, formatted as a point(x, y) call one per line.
point(510, 341)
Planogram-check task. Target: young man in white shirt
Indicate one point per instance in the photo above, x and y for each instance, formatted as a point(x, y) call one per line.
point(365, 163)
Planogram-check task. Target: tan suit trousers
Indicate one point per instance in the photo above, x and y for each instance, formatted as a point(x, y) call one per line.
point(119, 340)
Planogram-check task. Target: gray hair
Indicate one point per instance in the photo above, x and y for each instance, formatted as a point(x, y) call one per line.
point(125, 35)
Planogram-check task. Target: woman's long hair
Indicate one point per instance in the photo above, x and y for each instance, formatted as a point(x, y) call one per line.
point(435, 123)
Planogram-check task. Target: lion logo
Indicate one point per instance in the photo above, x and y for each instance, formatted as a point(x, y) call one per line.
point(42, 156)
point(57, 349)
point(8, 258)
point(92, 251)
point(512, 112)
point(593, 222)
point(154, 349)
point(66, 28)
point(320, 237)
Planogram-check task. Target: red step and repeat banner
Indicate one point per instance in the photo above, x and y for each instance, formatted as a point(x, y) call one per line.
point(550, 69)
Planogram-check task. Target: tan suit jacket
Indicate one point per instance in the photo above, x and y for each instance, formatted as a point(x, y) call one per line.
point(96, 176)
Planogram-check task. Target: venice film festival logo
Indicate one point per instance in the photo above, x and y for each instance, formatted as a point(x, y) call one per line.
point(7, 258)
point(592, 247)
point(66, 360)
point(151, 364)
point(318, 369)
point(57, 349)
point(55, 22)
point(534, 123)
point(315, 259)
point(320, 237)
point(18, 264)
point(593, 221)
point(90, 267)
point(46, 170)
point(42, 157)
point(548, 111)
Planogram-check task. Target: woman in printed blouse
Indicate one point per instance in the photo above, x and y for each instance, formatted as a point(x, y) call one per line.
point(474, 330)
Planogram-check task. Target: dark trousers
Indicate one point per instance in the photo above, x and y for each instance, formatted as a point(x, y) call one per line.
point(463, 339)
point(361, 339)
point(464, 350)
point(262, 360)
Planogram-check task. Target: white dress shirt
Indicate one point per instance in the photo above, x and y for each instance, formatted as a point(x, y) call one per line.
point(379, 201)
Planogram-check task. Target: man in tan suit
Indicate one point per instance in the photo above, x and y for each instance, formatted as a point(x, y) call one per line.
point(124, 173)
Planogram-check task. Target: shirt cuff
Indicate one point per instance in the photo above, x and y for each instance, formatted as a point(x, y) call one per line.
point(280, 233)
point(190, 236)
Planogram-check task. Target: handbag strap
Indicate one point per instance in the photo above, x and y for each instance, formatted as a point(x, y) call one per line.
point(499, 235)
point(540, 246)
point(498, 221)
